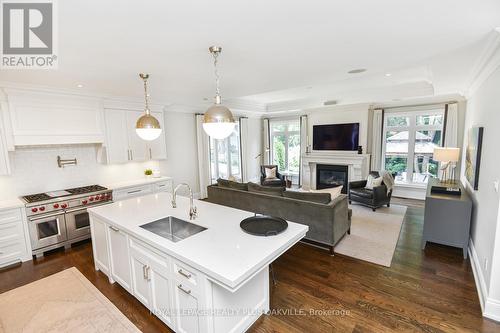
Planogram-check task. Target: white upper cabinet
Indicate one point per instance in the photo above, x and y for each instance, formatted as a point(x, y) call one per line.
point(122, 142)
point(38, 118)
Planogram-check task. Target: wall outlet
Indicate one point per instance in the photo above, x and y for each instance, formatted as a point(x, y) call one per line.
point(486, 264)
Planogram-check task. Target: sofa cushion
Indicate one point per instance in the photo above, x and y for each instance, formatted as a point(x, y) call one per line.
point(232, 184)
point(272, 182)
point(362, 192)
point(277, 191)
point(322, 198)
point(334, 191)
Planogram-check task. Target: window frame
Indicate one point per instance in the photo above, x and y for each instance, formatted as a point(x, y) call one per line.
point(286, 133)
point(412, 129)
point(214, 173)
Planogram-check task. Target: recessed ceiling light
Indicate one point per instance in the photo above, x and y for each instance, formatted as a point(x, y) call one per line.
point(388, 74)
point(357, 71)
point(79, 85)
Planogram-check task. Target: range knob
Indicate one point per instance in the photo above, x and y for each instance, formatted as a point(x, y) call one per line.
point(92, 198)
point(42, 208)
point(103, 196)
point(56, 206)
point(64, 206)
point(84, 202)
point(34, 209)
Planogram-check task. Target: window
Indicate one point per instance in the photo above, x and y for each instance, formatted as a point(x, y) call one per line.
point(409, 141)
point(285, 145)
point(225, 157)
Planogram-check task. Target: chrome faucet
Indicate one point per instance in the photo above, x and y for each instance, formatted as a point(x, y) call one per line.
point(193, 212)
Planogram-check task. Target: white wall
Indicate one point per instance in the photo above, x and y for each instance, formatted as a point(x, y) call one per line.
point(35, 170)
point(357, 113)
point(483, 109)
point(182, 159)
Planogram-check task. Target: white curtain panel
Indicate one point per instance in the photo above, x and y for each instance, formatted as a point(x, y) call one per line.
point(203, 144)
point(451, 134)
point(244, 149)
point(378, 127)
point(304, 134)
point(266, 149)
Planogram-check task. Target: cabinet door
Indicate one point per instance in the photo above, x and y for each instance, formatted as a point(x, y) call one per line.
point(4, 157)
point(187, 305)
point(140, 276)
point(157, 149)
point(100, 245)
point(117, 136)
point(119, 255)
point(138, 147)
point(161, 291)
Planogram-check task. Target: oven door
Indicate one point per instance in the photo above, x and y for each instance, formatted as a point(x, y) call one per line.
point(47, 230)
point(78, 223)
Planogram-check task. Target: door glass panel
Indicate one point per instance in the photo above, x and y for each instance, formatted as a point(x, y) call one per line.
point(396, 154)
point(423, 164)
point(47, 229)
point(398, 121)
point(279, 144)
point(82, 220)
point(293, 152)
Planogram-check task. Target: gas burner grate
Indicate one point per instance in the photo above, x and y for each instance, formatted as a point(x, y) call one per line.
point(36, 197)
point(86, 189)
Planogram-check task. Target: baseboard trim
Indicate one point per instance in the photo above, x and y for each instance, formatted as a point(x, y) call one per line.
point(489, 307)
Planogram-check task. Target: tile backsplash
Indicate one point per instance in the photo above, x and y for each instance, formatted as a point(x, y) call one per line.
point(34, 170)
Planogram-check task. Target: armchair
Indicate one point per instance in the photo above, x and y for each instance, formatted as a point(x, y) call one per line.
point(375, 198)
point(279, 181)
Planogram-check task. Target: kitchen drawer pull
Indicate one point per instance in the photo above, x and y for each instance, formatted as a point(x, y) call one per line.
point(145, 272)
point(113, 228)
point(184, 290)
point(186, 275)
point(134, 191)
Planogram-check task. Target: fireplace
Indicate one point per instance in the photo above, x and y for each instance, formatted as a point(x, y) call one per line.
point(328, 176)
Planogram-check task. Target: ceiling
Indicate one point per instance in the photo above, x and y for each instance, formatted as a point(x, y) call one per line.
point(275, 53)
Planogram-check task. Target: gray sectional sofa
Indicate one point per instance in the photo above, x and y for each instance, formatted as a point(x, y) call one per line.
point(328, 220)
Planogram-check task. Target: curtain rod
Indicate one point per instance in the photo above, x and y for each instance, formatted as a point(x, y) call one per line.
point(414, 105)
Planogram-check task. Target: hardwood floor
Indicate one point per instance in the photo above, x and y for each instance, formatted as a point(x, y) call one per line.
point(431, 291)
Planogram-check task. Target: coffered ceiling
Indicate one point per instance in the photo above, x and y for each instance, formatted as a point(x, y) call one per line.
point(275, 53)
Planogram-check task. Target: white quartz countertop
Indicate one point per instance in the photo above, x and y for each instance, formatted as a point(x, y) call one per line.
point(224, 252)
point(11, 203)
point(136, 182)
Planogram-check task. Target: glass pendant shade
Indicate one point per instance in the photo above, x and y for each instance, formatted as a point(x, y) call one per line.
point(218, 122)
point(148, 127)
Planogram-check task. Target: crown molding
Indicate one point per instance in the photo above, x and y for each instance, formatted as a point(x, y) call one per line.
point(486, 64)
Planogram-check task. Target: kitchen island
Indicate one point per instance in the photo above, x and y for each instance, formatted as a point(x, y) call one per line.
point(216, 280)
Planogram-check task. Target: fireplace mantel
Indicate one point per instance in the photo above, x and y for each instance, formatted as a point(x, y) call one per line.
point(358, 165)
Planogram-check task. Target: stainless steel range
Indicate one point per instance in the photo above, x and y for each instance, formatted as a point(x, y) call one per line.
point(60, 218)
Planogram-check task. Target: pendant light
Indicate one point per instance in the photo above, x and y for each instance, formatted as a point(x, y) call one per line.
point(218, 121)
point(147, 127)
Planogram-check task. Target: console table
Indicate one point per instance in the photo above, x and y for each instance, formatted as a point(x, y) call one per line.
point(447, 218)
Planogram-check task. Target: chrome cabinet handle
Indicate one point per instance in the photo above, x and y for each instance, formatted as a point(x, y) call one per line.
point(128, 154)
point(135, 191)
point(184, 290)
point(150, 154)
point(145, 272)
point(131, 155)
point(113, 228)
point(186, 275)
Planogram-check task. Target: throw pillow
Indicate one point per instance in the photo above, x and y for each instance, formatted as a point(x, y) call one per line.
point(322, 198)
point(372, 182)
point(270, 173)
point(270, 190)
point(223, 182)
point(334, 191)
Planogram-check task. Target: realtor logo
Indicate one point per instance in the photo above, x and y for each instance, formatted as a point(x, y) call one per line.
point(28, 35)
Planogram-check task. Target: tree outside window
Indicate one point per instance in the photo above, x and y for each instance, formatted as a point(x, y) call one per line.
point(285, 145)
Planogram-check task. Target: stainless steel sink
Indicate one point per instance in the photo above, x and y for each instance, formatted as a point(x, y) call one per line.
point(172, 228)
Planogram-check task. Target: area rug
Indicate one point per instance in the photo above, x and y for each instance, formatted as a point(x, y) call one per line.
point(374, 235)
point(63, 302)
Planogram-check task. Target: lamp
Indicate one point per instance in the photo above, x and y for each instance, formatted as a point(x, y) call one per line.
point(147, 127)
point(448, 156)
point(218, 121)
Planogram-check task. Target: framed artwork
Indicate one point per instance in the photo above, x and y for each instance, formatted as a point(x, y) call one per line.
point(473, 156)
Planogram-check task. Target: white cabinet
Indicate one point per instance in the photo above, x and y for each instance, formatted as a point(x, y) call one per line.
point(143, 189)
point(119, 257)
point(100, 246)
point(187, 304)
point(122, 142)
point(13, 237)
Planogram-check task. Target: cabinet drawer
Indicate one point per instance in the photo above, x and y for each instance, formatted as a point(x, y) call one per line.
point(11, 230)
point(149, 252)
point(132, 192)
point(185, 275)
point(11, 215)
point(164, 186)
point(11, 251)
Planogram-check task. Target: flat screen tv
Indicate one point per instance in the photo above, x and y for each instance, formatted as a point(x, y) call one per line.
point(336, 137)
